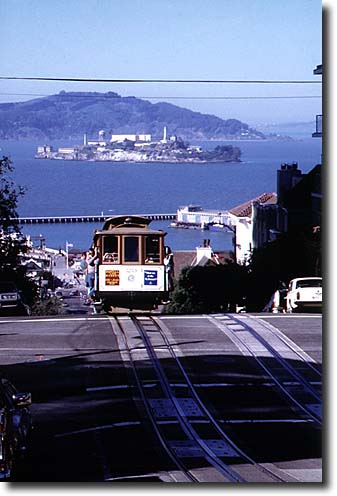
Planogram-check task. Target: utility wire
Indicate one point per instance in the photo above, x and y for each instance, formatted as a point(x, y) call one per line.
point(199, 81)
point(170, 97)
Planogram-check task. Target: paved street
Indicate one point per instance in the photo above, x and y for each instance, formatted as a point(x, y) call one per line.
point(89, 421)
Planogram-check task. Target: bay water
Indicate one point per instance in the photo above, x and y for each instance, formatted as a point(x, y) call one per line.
point(58, 188)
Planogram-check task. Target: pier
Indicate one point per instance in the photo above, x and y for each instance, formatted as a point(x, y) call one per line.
point(68, 219)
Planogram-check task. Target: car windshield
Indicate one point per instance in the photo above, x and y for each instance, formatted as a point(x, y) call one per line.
point(309, 283)
point(6, 287)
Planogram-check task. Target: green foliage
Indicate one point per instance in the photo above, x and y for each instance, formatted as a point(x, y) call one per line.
point(11, 240)
point(50, 306)
point(53, 281)
point(9, 194)
point(228, 153)
point(209, 289)
point(221, 288)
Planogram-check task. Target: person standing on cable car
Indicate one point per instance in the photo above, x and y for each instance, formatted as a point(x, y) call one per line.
point(169, 267)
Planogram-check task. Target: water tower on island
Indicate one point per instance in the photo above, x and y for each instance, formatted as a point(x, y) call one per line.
point(164, 140)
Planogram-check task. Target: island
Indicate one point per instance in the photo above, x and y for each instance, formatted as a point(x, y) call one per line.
point(140, 148)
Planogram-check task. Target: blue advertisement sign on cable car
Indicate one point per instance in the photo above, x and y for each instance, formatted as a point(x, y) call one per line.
point(150, 278)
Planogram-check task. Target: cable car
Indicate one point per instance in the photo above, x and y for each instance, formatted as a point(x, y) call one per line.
point(133, 266)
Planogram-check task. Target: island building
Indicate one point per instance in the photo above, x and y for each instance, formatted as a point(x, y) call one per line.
point(130, 137)
point(67, 151)
point(104, 149)
point(100, 142)
point(116, 138)
point(45, 149)
point(136, 138)
point(139, 140)
point(164, 140)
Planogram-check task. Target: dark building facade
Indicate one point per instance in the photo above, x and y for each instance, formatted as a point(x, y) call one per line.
point(298, 206)
point(303, 202)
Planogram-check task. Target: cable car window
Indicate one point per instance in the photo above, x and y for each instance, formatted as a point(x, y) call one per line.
point(131, 249)
point(110, 249)
point(152, 249)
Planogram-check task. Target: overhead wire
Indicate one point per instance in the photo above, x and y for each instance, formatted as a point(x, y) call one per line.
point(198, 81)
point(171, 97)
point(167, 97)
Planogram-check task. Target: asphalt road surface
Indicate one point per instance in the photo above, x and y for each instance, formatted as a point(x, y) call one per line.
point(91, 425)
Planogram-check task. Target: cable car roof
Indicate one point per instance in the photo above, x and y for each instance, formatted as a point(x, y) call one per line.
point(126, 221)
point(127, 231)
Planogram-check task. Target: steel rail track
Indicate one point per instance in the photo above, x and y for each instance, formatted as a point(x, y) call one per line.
point(310, 364)
point(296, 375)
point(176, 461)
point(208, 454)
point(162, 328)
point(277, 356)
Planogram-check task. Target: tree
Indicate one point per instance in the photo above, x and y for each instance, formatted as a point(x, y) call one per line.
point(209, 289)
point(12, 243)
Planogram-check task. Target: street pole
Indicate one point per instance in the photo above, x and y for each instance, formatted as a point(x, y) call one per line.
point(67, 263)
point(67, 253)
point(234, 243)
point(232, 228)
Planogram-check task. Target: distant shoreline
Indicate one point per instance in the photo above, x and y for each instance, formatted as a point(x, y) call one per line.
point(73, 138)
point(220, 140)
point(144, 161)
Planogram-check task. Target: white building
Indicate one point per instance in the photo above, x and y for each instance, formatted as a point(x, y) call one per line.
point(194, 214)
point(45, 149)
point(131, 137)
point(66, 151)
point(241, 219)
point(144, 137)
point(205, 256)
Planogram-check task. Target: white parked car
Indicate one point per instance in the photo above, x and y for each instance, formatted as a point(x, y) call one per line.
point(304, 293)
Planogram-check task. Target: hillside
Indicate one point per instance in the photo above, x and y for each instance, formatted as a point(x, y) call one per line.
point(70, 115)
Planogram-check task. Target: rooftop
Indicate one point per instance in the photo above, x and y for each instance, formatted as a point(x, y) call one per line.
point(245, 209)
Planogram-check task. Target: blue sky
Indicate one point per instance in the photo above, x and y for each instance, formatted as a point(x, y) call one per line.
point(190, 39)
